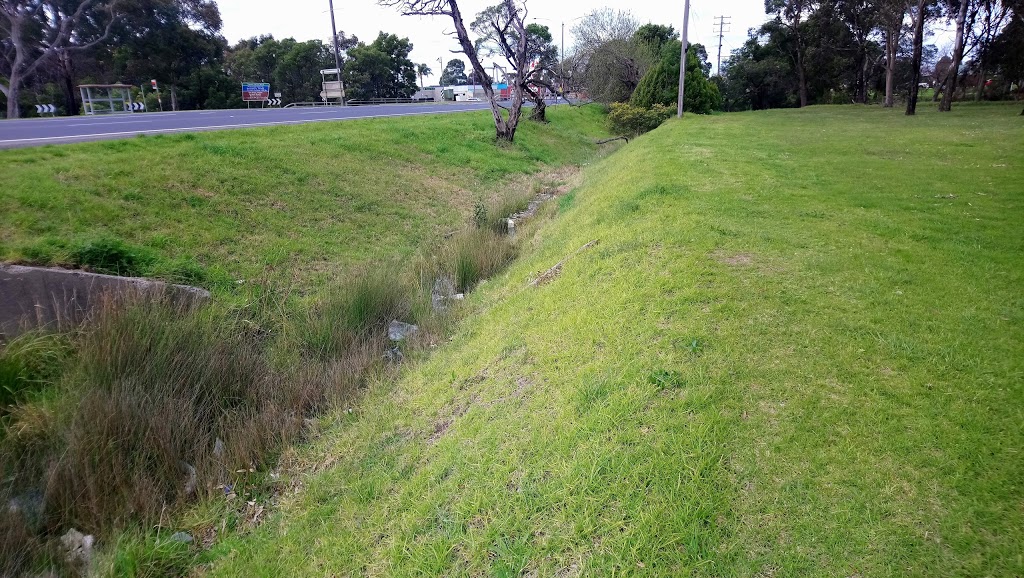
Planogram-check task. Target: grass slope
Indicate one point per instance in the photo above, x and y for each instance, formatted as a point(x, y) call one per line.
point(797, 349)
point(307, 200)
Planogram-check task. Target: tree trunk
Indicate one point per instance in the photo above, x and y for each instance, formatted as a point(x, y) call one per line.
point(801, 74)
point(915, 61)
point(890, 66)
point(981, 81)
point(539, 112)
point(13, 92)
point(68, 76)
point(174, 99)
point(958, 56)
point(505, 129)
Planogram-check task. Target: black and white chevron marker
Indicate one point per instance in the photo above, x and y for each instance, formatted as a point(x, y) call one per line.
point(137, 106)
point(273, 102)
point(45, 108)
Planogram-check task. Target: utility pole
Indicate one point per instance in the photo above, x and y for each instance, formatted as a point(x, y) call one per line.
point(337, 53)
point(561, 67)
point(723, 21)
point(682, 61)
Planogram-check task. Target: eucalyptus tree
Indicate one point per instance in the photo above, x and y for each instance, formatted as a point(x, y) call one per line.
point(36, 31)
point(890, 17)
point(791, 14)
point(960, 7)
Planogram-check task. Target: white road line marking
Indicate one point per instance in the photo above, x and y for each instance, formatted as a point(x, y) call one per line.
point(106, 123)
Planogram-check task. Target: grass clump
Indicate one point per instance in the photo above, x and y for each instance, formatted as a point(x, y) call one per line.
point(476, 255)
point(112, 257)
point(358, 311)
point(29, 363)
point(149, 556)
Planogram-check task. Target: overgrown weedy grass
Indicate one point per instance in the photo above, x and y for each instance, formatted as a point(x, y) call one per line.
point(796, 350)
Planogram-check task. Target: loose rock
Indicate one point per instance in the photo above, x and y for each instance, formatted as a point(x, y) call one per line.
point(444, 289)
point(77, 546)
point(183, 537)
point(398, 331)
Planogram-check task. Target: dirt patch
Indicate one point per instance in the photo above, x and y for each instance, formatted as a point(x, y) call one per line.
point(440, 428)
point(733, 259)
point(551, 185)
point(549, 275)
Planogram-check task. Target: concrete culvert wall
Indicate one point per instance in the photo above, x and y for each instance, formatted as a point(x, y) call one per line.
point(37, 297)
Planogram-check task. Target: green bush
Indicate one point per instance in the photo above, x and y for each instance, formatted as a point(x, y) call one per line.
point(630, 120)
point(660, 85)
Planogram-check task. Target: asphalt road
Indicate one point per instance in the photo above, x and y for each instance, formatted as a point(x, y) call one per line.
point(43, 131)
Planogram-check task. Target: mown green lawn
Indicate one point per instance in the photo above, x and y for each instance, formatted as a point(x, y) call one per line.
point(299, 202)
point(797, 349)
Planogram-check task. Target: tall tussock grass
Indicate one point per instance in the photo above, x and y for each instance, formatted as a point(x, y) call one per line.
point(151, 404)
point(477, 255)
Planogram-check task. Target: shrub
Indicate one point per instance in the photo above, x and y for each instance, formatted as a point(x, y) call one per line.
point(660, 85)
point(630, 120)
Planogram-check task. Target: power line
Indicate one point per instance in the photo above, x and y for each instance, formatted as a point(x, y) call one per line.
point(723, 21)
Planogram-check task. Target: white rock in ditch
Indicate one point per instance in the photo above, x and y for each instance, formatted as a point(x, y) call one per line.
point(78, 546)
point(398, 331)
point(183, 537)
point(443, 290)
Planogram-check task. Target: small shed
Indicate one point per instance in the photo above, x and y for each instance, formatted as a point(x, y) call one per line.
point(106, 98)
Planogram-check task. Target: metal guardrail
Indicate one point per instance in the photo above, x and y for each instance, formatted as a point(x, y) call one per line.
point(313, 103)
point(368, 101)
point(372, 101)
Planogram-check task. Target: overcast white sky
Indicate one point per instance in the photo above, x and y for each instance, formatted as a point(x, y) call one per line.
point(307, 19)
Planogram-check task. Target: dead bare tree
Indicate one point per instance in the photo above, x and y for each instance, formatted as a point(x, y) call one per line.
point(508, 25)
point(497, 39)
point(41, 29)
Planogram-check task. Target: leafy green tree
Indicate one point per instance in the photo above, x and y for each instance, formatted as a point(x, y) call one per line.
point(34, 32)
point(661, 83)
point(454, 73)
point(609, 62)
point(167, 40)
point(381, 69)
point(759, 76)
point(297, 73)
point(791, 15)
